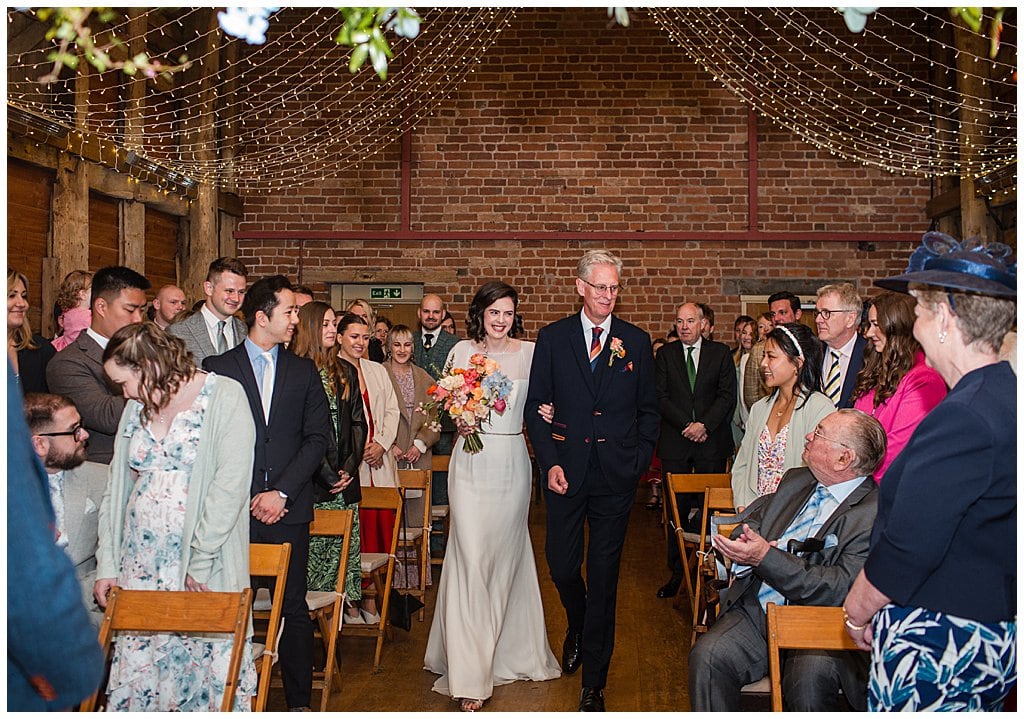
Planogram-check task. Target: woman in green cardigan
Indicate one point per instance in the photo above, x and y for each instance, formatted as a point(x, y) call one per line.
point(175, 516)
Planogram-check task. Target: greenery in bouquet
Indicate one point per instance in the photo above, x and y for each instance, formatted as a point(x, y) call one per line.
point(468, 395)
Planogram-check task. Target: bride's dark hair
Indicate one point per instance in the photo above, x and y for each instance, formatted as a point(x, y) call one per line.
point(484, 298)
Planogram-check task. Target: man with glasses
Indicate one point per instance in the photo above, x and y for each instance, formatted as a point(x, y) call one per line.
point(76, 486)
point(804, 544)
point(598, 372)
point(837, 317)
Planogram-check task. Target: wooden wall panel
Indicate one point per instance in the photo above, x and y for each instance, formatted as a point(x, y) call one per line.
point(161, 248)
point(103, 232)
point(29, 189)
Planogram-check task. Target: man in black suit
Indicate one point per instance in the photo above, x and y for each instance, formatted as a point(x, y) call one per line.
point(118, 299)
point(293, 422)
point(598, 372)
point(829, 506)
point(837, 317)
point(695, 380)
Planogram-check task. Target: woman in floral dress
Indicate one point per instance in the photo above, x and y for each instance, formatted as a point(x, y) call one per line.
point(316, 339)
point(175, 517)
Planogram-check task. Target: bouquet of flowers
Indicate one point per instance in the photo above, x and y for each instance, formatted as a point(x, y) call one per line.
point(468, 395)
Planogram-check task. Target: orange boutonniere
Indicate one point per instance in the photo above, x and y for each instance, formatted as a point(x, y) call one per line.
point(617, 350)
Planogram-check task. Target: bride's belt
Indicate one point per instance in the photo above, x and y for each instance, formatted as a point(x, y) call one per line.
point(501, 434)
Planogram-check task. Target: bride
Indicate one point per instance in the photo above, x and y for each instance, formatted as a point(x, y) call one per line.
point(488, 626)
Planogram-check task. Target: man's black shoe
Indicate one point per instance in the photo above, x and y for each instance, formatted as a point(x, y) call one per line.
point(591, 700)
point(669, 589)
point(572, 652)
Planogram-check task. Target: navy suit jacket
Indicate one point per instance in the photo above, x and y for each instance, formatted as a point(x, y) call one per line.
point(612, 411)
point(856, 363)
point(291, 445)
point(712, 401)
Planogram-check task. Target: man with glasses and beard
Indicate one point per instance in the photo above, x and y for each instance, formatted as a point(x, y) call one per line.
point(76, 486)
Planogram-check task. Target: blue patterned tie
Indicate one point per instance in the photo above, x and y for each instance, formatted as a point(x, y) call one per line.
point(806, 523)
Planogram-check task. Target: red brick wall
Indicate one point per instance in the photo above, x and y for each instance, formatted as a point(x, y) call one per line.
point(569, 126)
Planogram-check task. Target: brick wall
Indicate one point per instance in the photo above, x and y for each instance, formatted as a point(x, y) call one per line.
point(569, 127)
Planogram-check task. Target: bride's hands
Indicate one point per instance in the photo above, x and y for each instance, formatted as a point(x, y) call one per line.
point(464, 429)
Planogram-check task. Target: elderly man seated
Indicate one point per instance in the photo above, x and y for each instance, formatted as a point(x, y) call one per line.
point(829, 505)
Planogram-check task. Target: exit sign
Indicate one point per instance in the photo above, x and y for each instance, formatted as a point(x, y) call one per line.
point(385, 293)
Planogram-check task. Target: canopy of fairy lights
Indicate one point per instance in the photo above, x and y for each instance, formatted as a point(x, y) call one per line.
point(298, 116)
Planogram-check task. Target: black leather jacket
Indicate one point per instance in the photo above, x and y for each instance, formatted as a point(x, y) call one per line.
point(345, 452)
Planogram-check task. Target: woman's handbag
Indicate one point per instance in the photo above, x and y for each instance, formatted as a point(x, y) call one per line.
point(402, 606)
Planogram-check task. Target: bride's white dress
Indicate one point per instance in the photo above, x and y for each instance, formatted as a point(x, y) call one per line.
point(488, 624)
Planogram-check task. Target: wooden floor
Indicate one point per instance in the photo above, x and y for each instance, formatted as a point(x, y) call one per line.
point(648, 669)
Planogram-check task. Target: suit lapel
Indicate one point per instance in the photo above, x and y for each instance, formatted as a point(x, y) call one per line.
point(578, 351)
point(855, 497)
point(200, 335)
point(248, 377)
point(603, 371)
point(796, 502)
point(280, 379)
point(75, 492)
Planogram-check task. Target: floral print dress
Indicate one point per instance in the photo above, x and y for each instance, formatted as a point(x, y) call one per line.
point(167, 672)
point(771, 460)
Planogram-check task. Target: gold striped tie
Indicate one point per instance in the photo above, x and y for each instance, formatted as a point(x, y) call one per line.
point(832, 383)
point(595, 347)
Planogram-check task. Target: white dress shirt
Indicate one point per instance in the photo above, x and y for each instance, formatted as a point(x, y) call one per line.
point(211, 327)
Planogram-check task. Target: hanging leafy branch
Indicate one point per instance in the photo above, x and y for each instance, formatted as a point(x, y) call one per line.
point(70, 27)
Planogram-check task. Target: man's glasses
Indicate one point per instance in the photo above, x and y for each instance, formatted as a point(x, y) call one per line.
point(78, 432)
point(818, 433)
point(605, 289)
point(827, 314)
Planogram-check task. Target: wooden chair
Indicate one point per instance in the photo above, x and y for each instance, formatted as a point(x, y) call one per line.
point(268, 560)
point(325, 608)
point(715, 498)
point(414, 538)
point(675, 483)
point(439, 514)
point(181, 612)
point(379, 567)
point(801, 627)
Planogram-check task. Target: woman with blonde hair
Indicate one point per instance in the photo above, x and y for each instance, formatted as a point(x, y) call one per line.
point(895, 386)
point(28, 354)
point(336, 483)
point(175, 516)
point(378, 468)
point(73, 302)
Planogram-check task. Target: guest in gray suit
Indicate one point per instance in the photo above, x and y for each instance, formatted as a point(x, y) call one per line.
point(830, 503)
point(214, 329)
point(118, 299)
point(76, 486)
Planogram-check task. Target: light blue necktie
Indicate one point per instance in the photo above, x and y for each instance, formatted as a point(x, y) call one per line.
point(806, 523)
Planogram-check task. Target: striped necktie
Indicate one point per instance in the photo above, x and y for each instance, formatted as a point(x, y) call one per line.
point(832, 385)
point(806, 523)
point(595, 347)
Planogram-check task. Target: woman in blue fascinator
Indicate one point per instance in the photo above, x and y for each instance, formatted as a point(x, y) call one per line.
point(936, 602)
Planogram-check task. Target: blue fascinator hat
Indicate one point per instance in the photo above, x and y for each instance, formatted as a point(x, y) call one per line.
point(970, 266)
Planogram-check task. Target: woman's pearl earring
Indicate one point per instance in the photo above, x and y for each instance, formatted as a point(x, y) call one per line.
point(942, 338)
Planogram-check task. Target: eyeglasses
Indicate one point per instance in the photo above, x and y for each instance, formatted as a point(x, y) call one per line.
point(603, 289)
point(78, 432)
point(818, 433)
point(827, 314)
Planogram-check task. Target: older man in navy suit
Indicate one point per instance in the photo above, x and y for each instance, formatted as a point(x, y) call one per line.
point(598, 372)
point(837, 317)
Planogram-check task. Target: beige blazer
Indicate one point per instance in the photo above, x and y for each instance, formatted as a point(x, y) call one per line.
point(386, 415)
point(414, 426)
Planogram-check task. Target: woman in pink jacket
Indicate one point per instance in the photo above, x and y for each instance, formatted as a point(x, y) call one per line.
point(895, 386)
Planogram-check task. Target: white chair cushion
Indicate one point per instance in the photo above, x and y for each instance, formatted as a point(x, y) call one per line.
point(761, 686)
point(372, 560)
point(439, 511)
point(411, 535)
point(413, 493)
point(263, 601)
point(318, 600)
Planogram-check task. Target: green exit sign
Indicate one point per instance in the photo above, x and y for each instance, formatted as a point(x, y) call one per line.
point(385, 293)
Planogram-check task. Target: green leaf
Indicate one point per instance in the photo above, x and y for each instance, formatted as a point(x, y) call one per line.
point(359, 53)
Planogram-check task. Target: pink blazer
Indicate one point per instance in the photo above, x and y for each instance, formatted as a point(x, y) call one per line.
point(916, 394)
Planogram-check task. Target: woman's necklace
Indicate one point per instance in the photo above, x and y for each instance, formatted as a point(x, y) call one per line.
point(504, 348)
point(785, 408)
